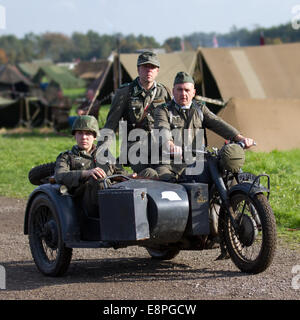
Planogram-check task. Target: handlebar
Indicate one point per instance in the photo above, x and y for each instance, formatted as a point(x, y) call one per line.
point(199, 151)
point(242, 144)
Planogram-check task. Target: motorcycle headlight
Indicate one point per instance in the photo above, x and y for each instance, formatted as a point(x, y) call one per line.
point(232, 157)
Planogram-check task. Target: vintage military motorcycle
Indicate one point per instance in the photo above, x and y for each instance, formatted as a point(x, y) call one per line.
point(223, 207)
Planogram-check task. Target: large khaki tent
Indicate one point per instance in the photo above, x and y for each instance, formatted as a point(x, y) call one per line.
point(262, 85)
point(273, 123)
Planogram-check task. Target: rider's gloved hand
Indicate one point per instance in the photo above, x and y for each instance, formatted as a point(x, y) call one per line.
point(248, 142)
point(173, 149)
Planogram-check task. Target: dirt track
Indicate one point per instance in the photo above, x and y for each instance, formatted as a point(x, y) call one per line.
point(130, 274)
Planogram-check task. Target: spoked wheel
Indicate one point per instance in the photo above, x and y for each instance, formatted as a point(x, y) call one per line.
point(50, 255)
point(251, 243)
point(163, 254)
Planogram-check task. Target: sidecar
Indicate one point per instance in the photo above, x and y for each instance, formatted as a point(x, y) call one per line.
point(162, 217)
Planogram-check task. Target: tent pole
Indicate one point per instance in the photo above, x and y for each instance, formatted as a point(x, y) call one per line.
point(99, 87)
point(201, 70)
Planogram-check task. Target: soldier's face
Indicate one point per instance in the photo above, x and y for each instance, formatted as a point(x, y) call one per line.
point(147, 72)
point(184, 93)
point(84, 139)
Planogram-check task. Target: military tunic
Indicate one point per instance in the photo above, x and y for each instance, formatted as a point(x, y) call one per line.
point(70, 164)
point(68, 171)
point(134, 104)
point(171, 116)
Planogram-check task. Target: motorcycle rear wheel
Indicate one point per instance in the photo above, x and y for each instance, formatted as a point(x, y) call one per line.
point(252, 244)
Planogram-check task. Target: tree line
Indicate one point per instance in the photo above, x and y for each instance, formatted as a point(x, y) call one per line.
point(91, 45)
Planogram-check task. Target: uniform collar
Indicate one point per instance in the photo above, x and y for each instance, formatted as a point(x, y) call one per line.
point(82, 153)
point(179, 107)
point(138, 88)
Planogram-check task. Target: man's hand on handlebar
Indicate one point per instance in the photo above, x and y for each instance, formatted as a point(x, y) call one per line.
point(173, 149)
point(248, 142)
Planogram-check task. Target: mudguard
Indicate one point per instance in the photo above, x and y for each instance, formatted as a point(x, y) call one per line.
point(64, 207)
point(248, 188)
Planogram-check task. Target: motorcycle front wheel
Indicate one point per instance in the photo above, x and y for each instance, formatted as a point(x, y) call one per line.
point(251, 238)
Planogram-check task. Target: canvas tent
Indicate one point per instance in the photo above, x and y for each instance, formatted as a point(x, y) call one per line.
point(59, 76)
point(259, 72)
point(29, 69)
point(262, 87)
point(90, 70)
point(24, 111)
point(272, 123)
point(12, 80)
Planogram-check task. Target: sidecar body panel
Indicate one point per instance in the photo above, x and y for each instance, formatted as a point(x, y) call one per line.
point(123, 214)
point(198, 222)
point(167, 208)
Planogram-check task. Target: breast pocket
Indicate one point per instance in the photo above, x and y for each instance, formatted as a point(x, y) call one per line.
point(197, 123)
point(177, 122)
point(78, 164)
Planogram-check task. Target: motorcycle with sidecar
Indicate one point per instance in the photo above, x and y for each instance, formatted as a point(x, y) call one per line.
point(218, 208)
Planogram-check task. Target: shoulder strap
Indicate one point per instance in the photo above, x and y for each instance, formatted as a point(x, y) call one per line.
point(170, 112)
point(167, 89)
point(199, 110)
point(200, 113)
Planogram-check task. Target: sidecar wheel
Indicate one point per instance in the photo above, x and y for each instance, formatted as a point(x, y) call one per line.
point(163, 254)
point(50, 255)
point(252, 245)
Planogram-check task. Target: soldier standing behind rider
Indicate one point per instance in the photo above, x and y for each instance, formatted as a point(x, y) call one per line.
point(136, 102)
point(185, 113)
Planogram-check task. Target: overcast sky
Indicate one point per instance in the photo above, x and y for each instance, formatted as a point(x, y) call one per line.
point(159, 18)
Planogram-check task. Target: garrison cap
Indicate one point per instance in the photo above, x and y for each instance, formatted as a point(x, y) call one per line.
point(86, 123)
point(148, 57)
point(183, 77)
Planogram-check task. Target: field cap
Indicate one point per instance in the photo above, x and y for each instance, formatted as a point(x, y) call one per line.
point(183, 77)
point(148, 57)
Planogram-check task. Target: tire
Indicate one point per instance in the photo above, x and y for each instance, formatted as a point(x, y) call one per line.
point(163, 254)
point(49, 253)
point(39, 174)
point(253, 245)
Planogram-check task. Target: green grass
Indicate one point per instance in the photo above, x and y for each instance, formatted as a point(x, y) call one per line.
point(284, 171)
point(20, 153)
